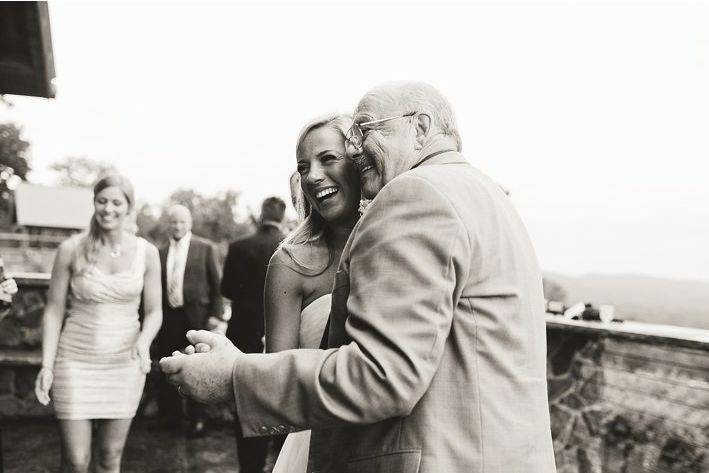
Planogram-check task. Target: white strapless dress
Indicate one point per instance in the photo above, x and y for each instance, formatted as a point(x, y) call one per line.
point(294, 454)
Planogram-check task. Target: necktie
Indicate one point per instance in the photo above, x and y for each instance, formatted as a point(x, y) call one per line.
point(173, 295)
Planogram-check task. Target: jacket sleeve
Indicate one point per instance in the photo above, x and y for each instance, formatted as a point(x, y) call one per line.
point(408, 261)
point(214, 280)
point(229, 274)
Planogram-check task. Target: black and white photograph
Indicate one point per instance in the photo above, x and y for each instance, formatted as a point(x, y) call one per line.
point(354, 237)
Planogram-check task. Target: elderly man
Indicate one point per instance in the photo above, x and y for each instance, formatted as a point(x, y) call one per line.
point(190, 281)
point(436, 358)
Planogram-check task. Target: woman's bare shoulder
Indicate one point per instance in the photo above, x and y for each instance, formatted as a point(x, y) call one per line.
point(298, 257)
point(69, 247)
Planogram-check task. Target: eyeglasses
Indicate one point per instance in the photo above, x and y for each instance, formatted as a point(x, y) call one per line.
point(355, 135)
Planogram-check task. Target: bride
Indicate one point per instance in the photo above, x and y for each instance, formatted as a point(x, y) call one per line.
point(301, 272)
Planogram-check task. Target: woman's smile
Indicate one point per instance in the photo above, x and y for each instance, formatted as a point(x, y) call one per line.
point(325, 193)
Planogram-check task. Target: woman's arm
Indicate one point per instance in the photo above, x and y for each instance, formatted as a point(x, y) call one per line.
point(56, 303)
point(54, 317)
point(283, 299)
point(152, 303)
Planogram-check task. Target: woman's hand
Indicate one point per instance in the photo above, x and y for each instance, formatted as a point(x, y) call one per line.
point(141, 351)
point(42, 384)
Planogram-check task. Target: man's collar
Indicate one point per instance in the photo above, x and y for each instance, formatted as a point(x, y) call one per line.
point(271, 223)
point(444, 156)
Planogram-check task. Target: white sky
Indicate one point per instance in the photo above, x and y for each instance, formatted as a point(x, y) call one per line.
point(595, 116)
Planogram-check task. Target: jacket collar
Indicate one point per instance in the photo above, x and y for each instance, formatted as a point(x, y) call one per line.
point(441, 157)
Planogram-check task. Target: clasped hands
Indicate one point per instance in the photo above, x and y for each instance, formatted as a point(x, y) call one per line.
point(204, 371)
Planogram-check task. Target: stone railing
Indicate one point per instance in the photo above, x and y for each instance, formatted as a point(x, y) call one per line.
point(624, 397)
point(628, 397)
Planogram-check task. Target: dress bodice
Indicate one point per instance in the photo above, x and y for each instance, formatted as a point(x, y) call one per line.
point(313, 319)
point(96, 375)
point(108, 298)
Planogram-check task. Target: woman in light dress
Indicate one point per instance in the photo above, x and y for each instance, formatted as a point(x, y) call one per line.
point(95, 359)
point(301, 272)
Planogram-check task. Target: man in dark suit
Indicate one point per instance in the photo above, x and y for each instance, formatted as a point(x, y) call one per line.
point(190, 281)
point(243, 282)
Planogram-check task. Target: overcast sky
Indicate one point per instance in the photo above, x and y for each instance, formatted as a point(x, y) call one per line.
point(594, 116)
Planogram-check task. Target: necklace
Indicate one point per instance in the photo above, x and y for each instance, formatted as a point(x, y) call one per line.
point(115, 250)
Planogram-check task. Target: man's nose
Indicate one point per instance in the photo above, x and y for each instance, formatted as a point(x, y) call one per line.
point(351, 150)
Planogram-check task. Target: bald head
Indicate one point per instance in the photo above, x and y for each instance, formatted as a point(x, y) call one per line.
point(396, 98)
point(400, 124)
point(179, 220)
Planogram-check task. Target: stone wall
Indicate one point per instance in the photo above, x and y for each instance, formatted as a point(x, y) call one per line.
point(624, 404)
point(20, 345)
point(620, 402)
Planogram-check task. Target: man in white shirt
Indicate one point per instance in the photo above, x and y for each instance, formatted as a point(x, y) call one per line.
point(190, 281)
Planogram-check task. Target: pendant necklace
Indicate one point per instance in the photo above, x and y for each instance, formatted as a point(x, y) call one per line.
point(115, 250)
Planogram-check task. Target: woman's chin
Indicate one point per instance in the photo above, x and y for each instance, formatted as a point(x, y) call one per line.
point(109, 226)
point(337, 212)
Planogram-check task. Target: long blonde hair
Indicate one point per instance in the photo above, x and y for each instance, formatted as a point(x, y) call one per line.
point(312, 227)
point(94, 237)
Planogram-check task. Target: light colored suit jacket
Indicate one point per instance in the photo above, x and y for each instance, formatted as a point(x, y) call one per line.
point(438, 323)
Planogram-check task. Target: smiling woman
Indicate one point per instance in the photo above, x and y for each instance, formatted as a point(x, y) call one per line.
point(328, 179)
point(95, 359)
point(329, 189)
point(300, 274)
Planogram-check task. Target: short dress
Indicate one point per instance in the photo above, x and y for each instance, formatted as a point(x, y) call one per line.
point(95, 374)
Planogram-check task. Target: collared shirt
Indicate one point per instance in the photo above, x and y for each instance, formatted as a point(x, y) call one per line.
point(175, 270)
point(272, 223)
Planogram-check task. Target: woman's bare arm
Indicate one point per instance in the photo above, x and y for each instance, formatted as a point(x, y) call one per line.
point(152, 296)
point(56, 303)
point(283, 299)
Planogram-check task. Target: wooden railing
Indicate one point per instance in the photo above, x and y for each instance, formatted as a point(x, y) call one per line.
point(50, 240)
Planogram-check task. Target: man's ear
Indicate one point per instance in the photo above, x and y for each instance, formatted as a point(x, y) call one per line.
point(422, 122)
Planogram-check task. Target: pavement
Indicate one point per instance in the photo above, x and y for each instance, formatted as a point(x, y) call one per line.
point(32, 446)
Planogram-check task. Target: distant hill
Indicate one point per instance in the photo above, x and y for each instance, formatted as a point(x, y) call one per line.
point(642, 298)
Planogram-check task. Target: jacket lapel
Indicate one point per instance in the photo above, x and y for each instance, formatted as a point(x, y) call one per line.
point(191, 259)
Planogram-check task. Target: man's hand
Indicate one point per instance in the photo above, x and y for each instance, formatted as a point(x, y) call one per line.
point(204, 376)
point(216, 325)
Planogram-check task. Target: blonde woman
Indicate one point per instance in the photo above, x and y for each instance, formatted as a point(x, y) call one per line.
point(94, 359)
point(300, 274)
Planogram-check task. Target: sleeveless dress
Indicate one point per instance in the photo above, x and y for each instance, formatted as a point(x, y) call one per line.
point(294, 453)
point(95, 376)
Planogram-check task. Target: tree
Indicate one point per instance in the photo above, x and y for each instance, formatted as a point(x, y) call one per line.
point(80, 171)
point(13, 150)
point(213, 217)
point(146, 218)
point(14, 164)
point(554, 291)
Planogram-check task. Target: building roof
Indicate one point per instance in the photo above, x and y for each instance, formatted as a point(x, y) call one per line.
point(26, 57)
point(53, 207)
